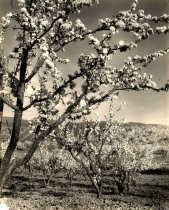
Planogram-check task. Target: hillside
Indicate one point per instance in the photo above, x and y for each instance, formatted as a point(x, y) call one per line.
point(148, 134)
point(141, 128)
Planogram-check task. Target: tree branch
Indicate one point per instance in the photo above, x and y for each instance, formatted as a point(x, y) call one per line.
point(44, 33)
point(35, 70)
point(7, 102)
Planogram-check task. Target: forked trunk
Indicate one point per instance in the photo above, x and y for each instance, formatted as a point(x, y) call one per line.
point(99, 191)
point(98, 187)
point(96, 184)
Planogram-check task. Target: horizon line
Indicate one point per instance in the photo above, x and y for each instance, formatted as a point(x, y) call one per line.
point(163, 124)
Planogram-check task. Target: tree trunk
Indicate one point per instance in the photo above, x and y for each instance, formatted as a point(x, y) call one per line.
point(99, 191)
point(7, 174)
point(1, 113)
point(2, 70)
point(97, 185)
point(5, 164)
point(1, 101)
point(120, 187)
point(121, 182)
point(6, 161)
point(1, 117)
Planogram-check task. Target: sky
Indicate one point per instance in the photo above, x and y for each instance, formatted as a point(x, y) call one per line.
point(147, 106)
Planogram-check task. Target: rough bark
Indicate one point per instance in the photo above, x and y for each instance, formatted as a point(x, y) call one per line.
point(98, 188)
point(1, 101)
point(1, 118)
point(5, 163)
point(1, 113)
point(2, 67)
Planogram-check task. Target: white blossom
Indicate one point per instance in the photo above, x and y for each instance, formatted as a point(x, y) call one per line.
point(44, 48)
point(94, 40)
point(44, 23)
point(1, 39)
point(161, 29)
point(135, 24)
point(45, 55)
point(23, 10)
point(4, 92)
point(105, 51)
point(67, 25)
point(141, 13)
point(21, 1)
point(112, 29)
point(120, 24)
point(49, 63)
point(79, 24)
point(144, 75)
point(9, 14)
point(149, 17)
point(51, 34)
point(121, 43)
point(6, 21)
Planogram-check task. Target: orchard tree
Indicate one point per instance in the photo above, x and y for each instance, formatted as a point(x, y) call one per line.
point(90, 143)
point(49, 165)
point(56, 159)
point(101, 145)
point(42, 31)
point(128, 158)
point(134, 150)
point(69, 165)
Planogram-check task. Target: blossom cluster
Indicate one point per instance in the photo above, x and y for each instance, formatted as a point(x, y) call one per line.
point(4, 25)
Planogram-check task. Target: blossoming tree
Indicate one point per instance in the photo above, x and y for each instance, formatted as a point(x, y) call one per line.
point(90, 145)
point(129, 157)
point(101, 145)
point(56, 159)
point(43, 29)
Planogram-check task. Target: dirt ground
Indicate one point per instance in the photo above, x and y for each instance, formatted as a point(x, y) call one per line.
point(150, 193)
